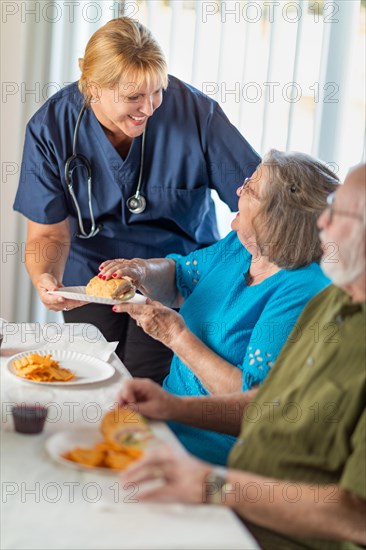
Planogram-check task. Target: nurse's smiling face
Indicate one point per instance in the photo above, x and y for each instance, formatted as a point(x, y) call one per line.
point(126, 109)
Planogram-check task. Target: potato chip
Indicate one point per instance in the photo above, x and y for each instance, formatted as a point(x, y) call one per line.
point(41, 368)
point(88, 457)
point(105, 454)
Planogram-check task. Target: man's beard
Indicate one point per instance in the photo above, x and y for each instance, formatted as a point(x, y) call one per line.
point(348, 262)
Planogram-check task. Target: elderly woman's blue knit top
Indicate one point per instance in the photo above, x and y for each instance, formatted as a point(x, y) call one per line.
point(246, 325)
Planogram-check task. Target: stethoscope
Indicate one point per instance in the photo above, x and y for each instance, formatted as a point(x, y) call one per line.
point(135, 204)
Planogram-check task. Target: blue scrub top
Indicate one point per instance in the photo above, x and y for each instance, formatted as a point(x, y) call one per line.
point(190, 148)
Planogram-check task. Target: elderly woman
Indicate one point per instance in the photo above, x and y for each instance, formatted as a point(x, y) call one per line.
point(241, 297)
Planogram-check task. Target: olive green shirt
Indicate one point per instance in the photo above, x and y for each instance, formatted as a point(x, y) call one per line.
point(307, 423)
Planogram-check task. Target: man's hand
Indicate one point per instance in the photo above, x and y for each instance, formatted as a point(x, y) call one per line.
point(183, 476)
point(148, 398)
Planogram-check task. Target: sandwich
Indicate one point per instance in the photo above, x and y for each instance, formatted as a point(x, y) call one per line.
point(125, 436)
point(126, 428)
point(118, 289)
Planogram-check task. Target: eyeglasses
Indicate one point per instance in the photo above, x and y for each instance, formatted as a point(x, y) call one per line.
point(335, 211)
point(245, 187)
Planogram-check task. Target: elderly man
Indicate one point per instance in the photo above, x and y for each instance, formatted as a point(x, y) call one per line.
point(297, 474)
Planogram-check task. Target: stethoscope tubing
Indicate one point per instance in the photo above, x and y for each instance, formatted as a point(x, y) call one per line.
point(135, 204)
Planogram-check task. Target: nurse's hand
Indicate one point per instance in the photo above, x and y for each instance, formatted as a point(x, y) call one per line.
point(46, 282)
point(135, 269)
point(160, 322)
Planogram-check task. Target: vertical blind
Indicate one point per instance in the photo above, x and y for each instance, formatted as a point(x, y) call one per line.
point(288, 74)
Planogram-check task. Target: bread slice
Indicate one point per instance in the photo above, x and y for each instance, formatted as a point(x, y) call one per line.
point(107, 289)
point(126, 428)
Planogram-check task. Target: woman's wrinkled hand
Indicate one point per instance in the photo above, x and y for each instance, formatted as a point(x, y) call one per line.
point(134, 269)
point(160, 322)
point(147, 398)
point(183, 476)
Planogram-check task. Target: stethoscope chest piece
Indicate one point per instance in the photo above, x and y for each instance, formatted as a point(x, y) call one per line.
point(136, 204)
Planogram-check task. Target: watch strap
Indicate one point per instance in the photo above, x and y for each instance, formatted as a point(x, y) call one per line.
point(214, 484)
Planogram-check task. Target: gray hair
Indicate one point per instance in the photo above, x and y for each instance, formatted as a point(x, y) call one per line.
point(296, 195)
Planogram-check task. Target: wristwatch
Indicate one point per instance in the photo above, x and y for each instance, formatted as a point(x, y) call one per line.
point(215, 485)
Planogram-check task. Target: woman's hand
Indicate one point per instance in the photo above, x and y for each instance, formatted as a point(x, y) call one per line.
point(155, 277)
point(135, 269)
point(148, 398)
point(183, 476)
point(46, 270)
point(46, 282)
point(160, 322)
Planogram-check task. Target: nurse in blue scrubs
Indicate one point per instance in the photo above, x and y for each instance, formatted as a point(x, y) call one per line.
point(121, 164)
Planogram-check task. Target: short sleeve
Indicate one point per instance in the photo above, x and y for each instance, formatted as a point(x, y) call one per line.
point(187, 272)
point(229, 156)
point(193, 268)
point(40, 196)
point(354, 474)
point(260, 355)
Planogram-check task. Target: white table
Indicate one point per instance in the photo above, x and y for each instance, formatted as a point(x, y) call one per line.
point(48, 505)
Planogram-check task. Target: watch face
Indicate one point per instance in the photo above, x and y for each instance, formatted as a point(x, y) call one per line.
point(214, 483)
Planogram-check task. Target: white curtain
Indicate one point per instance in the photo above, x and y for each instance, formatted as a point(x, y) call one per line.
point(41, 44)
point(289, 75)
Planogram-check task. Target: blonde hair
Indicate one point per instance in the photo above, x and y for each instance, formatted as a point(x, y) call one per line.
point(122, 50)
point(295, 196)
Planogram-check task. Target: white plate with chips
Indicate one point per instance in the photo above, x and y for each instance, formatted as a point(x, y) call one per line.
point(87, 369)
point(63, 442)
point(79, 293)
point(88, 436)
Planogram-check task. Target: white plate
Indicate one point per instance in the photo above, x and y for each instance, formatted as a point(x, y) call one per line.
point(62, 442)
point(87, 369)
point(78, 293)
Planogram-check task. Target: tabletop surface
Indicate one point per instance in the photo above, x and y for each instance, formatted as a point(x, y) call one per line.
point(46, 504)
